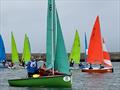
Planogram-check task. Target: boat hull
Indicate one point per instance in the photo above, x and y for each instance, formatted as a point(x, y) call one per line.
point(47, 81)
point(110, 70)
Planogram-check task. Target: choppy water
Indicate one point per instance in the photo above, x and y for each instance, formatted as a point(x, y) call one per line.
point(81, 81)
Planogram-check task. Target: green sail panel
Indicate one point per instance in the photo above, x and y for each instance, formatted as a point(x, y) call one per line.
point(75, 52)
point(49, 44)
point(15, 57)
point(61, 57)
point(26, 50)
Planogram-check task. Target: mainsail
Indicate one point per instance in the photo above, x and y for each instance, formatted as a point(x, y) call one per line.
point(56, 56)
point(26, 50)
point(2, 50)
point(15, 57)
point(49, 39)
point(95, 51)
point(75, 52)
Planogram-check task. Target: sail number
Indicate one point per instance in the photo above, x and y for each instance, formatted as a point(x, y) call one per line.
point(66, 78)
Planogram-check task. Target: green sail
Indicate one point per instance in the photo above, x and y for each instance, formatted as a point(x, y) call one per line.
point(15, 57)
point(50, 37)
point(75, 52)
point(26, 50)
point(56, 56)
point(61, 57)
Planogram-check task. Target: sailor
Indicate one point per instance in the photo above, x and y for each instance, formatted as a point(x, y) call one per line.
point(101, 66)
point(10, 64)
point(90, 66)
point(22, 62)
point(32, 67)
point(81, 65)
point(4, 62)
point(71, 63)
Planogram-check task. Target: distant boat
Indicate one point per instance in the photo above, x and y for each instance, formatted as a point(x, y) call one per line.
point(26, 50)
point(75, 51)
point(15, 58)
point(95, 50)
point(86, 48)
point(2, 52)
point(56, 58)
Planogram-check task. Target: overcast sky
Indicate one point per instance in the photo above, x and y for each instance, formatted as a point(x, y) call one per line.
point(30, 16)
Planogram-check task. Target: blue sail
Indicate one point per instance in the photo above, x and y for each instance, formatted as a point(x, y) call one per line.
point(2, 50)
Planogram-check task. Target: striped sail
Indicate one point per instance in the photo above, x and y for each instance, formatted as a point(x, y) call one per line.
point(106, 57)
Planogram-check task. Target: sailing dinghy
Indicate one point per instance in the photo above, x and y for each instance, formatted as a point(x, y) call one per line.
point(56, 57)
point(15, 57)
point(26, 50)
point(75, 52)
point(96, 52)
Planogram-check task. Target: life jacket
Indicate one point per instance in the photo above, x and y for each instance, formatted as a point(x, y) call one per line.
point(32, 67)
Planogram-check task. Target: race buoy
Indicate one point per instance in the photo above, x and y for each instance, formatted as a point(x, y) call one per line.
point(36, 75)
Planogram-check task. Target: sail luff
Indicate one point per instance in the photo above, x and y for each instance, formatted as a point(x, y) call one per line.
point(95, 51)
point(75, 52)
point(2, 50)
point(15, 57)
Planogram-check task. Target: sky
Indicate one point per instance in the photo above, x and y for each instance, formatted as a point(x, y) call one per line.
point(30, 17)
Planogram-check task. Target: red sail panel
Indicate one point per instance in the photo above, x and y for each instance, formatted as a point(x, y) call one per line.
point(95, 52)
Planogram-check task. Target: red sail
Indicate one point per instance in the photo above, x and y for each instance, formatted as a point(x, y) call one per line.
point(95, 52)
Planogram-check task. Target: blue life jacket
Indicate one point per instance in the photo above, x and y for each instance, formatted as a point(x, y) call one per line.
point(32, 66)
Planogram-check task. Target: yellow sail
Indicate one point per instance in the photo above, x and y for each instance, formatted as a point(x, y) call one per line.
point(15, 57)
point(75, 52)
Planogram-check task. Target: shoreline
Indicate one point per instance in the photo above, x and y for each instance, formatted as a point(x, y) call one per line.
point(115, 56)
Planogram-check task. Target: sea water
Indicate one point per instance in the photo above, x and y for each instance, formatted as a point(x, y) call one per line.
point(80, 80)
